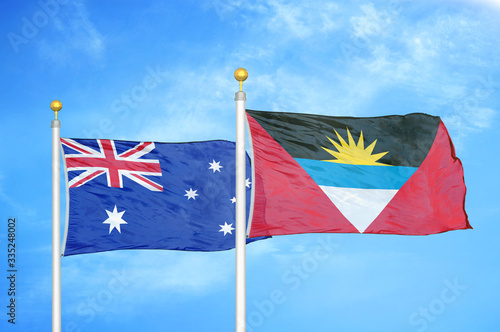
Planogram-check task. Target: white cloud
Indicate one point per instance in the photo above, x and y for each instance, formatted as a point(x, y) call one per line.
point(373, 22)
point(194, 104)
point(418, 55)
point(187, 273)
point(301, 20)
point(494, 4)
point(259, 249)
point(246, 52)
point(118, 281)
point(482, 117)
point(17, 206)
point(292, 18)
point(76, 35)
point(465, 121)
point(422, 48)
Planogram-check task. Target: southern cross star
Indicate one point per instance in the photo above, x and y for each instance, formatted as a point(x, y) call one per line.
point(226, 228)
point(191, 193)
point(215, 166)
point(114, 220)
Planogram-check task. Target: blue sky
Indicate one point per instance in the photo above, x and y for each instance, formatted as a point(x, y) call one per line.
point(163, 71)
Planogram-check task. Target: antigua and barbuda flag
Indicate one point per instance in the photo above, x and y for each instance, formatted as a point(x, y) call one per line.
point(147, 195)
point(387, 175)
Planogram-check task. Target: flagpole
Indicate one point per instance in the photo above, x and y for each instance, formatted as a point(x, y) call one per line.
point(240, 74)
point(56, 220)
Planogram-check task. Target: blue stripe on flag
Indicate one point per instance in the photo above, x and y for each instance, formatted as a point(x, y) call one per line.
point(326, 173)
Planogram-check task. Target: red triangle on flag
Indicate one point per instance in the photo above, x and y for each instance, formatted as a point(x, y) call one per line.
point(432, 200)
point(287, 200)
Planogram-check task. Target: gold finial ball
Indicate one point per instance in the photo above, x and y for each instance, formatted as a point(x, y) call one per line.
point(56, 105)
point(241, 74)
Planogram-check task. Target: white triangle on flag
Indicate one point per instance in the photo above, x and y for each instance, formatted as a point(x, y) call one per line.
point(359, 206)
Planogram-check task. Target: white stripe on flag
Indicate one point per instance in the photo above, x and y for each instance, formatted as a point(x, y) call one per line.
point(359, 206)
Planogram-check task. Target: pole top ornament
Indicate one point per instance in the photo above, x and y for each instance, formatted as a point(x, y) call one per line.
point(240, 75)
point(56, 106)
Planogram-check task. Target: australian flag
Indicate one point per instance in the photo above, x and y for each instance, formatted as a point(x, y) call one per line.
point(148, 195)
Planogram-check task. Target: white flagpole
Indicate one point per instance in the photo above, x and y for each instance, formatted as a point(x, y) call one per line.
point(240, 74)
point(56, 220)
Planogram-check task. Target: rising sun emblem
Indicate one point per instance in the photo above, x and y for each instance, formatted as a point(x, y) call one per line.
point(354, 154)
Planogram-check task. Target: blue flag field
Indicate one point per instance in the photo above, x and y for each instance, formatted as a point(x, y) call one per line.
point(148, 195)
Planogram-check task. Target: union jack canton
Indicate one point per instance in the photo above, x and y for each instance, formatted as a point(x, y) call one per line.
point(115, 165)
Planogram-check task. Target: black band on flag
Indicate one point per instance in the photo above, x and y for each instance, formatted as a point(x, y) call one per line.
point(406, 138)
